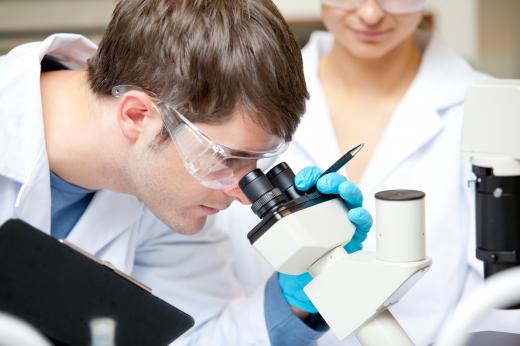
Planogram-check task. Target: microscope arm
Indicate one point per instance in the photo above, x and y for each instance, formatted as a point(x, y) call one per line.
point(360, 306)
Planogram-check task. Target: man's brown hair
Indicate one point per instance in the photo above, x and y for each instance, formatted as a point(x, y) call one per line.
point(207, 58)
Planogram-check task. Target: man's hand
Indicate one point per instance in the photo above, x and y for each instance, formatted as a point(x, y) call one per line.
point(333, 183)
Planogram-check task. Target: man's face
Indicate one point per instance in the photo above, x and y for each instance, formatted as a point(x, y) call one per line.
point(160, 180)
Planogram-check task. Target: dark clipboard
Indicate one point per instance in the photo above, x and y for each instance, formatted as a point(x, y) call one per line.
point(58, 289)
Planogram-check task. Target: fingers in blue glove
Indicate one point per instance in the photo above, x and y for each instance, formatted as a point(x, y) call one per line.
point(362, 219)
point(330, 183)
point(307, 178)
point(335, 183)
point(292, 289)
point(351, 193)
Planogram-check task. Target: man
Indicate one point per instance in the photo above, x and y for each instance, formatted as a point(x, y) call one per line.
point(110, 148)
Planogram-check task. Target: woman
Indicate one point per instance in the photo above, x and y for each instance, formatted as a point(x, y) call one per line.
point(375, 79)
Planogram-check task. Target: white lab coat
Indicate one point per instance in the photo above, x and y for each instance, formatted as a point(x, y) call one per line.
point(190, 272)
point(420, 149)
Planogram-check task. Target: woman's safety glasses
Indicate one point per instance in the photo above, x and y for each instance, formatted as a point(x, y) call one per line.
point(212, 164)
point(390, 6)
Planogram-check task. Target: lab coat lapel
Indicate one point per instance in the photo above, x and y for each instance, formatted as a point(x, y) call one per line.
point(33, 204)
point(23, 155)
point(407, 132)
point(108, 215)
point(315, 135)
point(419, 116)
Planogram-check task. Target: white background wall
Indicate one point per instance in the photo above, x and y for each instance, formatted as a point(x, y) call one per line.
point(486, 32)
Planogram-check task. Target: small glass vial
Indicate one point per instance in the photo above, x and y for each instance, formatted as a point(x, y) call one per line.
point(102, 331)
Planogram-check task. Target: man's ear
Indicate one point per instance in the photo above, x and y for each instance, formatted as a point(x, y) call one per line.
point(134, 109)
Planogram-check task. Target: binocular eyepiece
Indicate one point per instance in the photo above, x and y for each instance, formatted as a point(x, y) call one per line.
point(267, 191)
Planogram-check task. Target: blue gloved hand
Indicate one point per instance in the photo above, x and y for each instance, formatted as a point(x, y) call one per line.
point(333, 183)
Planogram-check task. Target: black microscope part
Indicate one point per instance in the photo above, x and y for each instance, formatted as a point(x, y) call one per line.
point(255, 184)
point(273, 197)
point(282, 177)
point(497, 221)
point(399, 195)
point(497, 208)
point(260, 192)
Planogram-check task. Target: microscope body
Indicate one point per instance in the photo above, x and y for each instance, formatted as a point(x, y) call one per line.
point(298, 239)
point(306, 232)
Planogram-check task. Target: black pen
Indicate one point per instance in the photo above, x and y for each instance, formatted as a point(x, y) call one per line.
point(343, 160)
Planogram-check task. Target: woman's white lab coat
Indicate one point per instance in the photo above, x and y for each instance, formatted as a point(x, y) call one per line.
point(190, 272)
point(420, 149)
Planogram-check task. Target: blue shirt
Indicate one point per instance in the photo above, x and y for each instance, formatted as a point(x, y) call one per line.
point(283, 326)
point(68, 203)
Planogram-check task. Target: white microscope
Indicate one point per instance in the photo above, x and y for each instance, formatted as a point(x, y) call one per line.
point(305, 232)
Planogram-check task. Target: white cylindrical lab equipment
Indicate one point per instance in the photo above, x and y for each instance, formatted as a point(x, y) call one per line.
point(400, 226)
point(103, 331)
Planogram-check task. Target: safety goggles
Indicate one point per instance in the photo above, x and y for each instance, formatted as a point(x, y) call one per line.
point(390, 6)
point(214, 165)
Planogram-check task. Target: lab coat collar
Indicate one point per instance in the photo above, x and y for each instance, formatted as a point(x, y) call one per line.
point(440, 84)
point(108, 215)
point(447, 72)
point(20, 70)
point(413, 125)
point(23, 155)
point(443, 74)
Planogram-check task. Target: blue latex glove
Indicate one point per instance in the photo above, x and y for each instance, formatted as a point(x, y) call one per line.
point(333, 183)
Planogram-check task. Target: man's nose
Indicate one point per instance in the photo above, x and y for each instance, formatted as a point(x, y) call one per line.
point(237, 194)
point(371, 12)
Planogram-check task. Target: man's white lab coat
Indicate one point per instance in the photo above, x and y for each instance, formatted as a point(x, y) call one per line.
point(190, 272)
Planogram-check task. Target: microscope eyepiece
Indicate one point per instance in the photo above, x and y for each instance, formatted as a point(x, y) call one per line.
point(254, 184)
point(259, 190)
point(282, 177)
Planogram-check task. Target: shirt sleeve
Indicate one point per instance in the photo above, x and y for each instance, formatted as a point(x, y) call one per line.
point(283, 326)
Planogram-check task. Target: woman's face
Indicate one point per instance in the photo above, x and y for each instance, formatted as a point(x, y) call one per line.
point(368, 31)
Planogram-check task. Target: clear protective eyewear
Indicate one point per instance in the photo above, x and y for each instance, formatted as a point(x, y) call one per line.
point(214, 165)
point(390, 6)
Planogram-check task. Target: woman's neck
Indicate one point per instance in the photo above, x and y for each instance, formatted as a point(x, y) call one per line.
point(389, 74)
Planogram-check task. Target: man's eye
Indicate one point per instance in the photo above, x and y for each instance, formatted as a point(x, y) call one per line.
point(240, 164)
